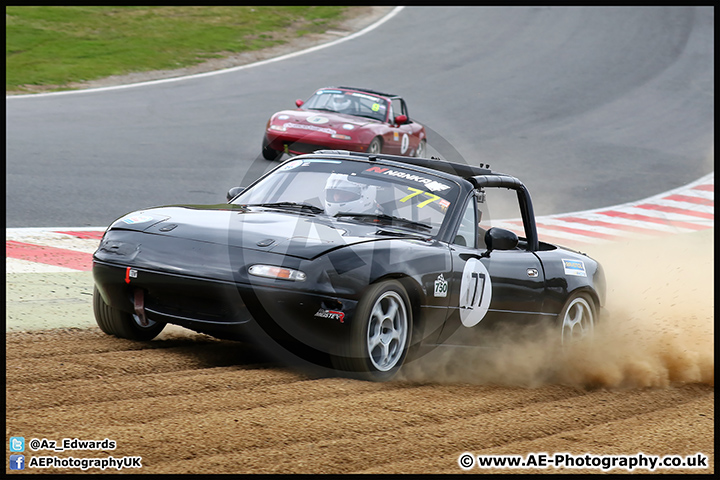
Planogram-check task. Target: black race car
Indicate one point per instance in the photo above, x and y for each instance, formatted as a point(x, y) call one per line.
point(346, 258)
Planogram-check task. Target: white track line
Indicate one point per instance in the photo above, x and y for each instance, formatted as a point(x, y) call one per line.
point(574, 229)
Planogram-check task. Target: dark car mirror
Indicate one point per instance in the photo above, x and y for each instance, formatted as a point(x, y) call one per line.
point(299, 103)
point(401, 119)
point(500, 239)
point(234, 192)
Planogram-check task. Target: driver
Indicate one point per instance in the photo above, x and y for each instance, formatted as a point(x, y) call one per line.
point(341, 103)
point(344, 195)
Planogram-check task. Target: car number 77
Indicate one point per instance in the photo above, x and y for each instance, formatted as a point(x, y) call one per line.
point(475, 292)
point(417, 192)
point(479, 282)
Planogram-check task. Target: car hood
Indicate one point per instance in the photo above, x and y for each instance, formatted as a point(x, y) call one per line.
point(269, 230)
point(319, 119)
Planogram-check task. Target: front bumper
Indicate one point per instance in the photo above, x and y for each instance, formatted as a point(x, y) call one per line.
point(299, 142)
point(229, 309)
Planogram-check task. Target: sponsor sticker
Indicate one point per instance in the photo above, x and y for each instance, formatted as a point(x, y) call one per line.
point(130, 273)
point(137, 219)
point(362, 95)
point(436, 186)
point(433, 185)
point(302, 126)
point(574, 267)
point(291, 165)
point(441, 286)
point(331, 314)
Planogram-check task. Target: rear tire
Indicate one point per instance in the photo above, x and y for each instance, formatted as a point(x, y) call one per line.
point(380, 334)
point(122, 324)
point(421, 149)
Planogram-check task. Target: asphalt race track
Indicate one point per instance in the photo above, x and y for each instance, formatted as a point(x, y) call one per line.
point(589, 106)
point(604, 111)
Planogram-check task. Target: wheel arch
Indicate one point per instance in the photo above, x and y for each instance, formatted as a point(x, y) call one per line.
point(590, 293)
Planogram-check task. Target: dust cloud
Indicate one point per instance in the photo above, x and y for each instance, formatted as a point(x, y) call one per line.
point(176, 332)
point(658, 330)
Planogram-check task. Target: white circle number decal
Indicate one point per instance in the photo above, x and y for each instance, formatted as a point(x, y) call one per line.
point(318, 120)
point(475, 292)
point(405, 143)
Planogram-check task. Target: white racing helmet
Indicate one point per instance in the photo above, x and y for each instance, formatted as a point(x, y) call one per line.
point(340, 102)
point(344, 195)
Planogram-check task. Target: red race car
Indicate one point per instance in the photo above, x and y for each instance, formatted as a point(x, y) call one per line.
point(345, 118)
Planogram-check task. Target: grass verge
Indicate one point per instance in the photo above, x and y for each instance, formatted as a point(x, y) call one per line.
point(55, 46)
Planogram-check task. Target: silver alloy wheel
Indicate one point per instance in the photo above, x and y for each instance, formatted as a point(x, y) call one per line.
point(387, 331)
point(578, 321)
point(374, 146)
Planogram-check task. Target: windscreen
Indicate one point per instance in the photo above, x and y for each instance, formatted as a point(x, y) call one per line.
point(352, 190)
point(351, 103)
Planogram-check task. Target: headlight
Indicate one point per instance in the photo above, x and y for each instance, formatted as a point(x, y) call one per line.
point(341, 137)
point(281, 273)
point(279, 128)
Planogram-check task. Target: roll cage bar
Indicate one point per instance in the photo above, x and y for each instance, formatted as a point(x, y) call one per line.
point(478, 177)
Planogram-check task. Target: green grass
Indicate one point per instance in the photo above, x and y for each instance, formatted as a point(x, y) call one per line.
point(53, 46)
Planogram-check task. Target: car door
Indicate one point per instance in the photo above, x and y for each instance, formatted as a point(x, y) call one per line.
point(489, 292)
point(401, 139)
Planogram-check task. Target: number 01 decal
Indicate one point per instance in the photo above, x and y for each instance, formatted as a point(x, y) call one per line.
point(475, 292)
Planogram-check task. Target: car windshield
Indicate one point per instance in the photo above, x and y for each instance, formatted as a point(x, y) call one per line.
point(357, 192)
point(351, 103)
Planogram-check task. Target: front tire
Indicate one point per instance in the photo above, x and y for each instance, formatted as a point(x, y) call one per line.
point(577, 319)
point(269, 153)
point(122, 324)
point(380, 333)
point(375, 146)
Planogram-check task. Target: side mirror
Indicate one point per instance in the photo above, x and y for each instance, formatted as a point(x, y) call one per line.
point(500, 239)
point(401, 119)
point(234, 192)
point(299, 103)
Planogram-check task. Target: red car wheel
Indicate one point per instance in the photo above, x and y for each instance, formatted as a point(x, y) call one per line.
point(375, 146)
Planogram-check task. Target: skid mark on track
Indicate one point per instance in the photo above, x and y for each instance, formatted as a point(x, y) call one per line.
point(183, 413)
